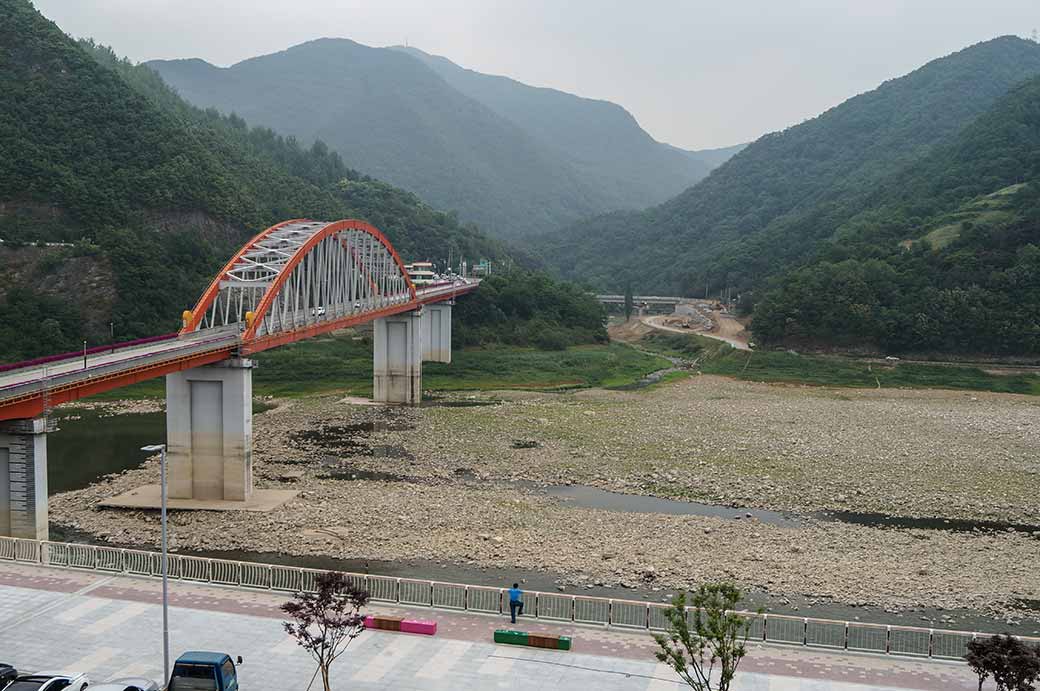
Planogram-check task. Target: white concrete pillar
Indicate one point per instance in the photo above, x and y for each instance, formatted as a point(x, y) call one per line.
point(209, 432)
point(397, 358)
point(436, 332)
point(23, 478)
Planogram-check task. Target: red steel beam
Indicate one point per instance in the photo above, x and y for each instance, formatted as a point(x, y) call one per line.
point(286, 337)
point(331, 229)
point(211, 292)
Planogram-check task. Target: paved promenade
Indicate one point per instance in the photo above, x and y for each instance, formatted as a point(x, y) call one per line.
point(112, 626)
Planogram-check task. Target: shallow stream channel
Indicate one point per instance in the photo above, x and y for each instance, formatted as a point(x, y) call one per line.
point(89, 446)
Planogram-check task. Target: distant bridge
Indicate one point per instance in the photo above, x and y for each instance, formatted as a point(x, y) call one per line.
point(656, 300)
point(295, 280)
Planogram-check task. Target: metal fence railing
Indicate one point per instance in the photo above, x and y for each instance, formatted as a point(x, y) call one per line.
point(555, 607)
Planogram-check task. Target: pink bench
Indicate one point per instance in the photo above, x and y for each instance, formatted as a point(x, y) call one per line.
point(428, 628)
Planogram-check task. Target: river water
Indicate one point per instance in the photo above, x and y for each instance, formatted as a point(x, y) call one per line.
point(87, 448)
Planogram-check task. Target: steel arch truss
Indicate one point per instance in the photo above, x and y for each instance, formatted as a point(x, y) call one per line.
point(302, 277)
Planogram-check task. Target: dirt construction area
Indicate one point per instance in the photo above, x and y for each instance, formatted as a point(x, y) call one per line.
point(464, 482)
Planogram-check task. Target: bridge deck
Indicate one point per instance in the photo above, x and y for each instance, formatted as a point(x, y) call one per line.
point(652, 299)
point(17, 382)
point(23, 391)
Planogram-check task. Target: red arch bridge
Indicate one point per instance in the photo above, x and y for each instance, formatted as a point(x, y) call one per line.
point(295, 280)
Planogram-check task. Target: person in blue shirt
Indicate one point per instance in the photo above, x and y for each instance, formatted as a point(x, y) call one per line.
point(516, 601)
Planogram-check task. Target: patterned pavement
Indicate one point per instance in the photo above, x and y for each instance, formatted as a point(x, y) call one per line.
point(111, 626)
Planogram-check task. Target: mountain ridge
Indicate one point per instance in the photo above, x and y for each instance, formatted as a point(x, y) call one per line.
point(765, 207)
point(396, 117)
point(947, 260)
point(578, 126)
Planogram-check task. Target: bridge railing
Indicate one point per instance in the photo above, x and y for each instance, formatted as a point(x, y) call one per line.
point(36, 362)
point(555, 607)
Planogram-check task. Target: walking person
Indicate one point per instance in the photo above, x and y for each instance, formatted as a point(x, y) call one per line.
point(516, 602)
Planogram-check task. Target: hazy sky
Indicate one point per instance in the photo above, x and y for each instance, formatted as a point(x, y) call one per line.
point(696, 74)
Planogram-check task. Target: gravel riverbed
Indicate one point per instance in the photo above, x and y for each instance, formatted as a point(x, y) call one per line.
point(432, 484)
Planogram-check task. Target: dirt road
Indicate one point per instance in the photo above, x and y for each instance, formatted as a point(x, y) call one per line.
point(725, 326)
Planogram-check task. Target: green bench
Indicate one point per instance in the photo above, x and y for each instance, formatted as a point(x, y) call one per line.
point(533, 640)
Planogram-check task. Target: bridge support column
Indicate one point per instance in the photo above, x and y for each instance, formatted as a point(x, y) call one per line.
point(23, 478)
point(397, 366)
point(209, 432)
point(436, 332)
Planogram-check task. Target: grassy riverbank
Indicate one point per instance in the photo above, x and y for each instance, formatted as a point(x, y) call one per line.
point(342, 362)
point(714, 357)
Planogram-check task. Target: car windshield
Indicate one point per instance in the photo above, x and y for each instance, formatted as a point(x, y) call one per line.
point(187, 677)
point(26, 685)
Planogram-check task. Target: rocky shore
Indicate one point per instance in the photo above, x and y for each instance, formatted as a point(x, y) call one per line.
point(934, 454)
point(110, 408)
point(433, 484)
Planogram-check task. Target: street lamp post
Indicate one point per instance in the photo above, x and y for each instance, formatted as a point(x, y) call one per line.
point(161, 448)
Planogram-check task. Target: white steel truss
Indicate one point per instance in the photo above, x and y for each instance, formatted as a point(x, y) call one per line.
point(332, 274)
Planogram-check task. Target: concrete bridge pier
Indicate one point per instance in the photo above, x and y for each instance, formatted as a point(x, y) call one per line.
point(23, 478)
point(436, 332)
point(397, 363)
point(209, 432)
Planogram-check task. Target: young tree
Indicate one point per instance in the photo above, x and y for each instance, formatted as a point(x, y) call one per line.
point(629, 301)
point(717, 637)
point(1014, 665)
point(327, 620)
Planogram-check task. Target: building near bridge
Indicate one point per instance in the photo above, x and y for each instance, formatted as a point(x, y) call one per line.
point(421, 273)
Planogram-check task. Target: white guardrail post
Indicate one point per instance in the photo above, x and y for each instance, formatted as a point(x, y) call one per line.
point(595, 610)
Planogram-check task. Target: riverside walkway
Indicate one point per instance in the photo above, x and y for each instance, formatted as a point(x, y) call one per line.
point(110, 625)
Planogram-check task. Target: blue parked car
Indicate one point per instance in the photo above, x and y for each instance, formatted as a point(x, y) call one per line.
point(202, 671)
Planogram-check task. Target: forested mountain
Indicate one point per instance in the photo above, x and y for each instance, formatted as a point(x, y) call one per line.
point(515, 159)
point(714, 158)
point(946, 258)
point(766, 209)
point(148, 195)
point(601, 140)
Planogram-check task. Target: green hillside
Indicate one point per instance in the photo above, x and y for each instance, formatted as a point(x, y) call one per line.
point(765, 210)
point(147, 195)
point(599, 139)
point(947, 259)
point(515, 159)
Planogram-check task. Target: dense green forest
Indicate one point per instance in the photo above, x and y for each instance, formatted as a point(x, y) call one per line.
point(529, 308)
point(514, 159)
point(947, 259)
point(897, 221)
point(149, 195)
point(765, 210)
